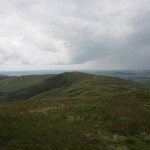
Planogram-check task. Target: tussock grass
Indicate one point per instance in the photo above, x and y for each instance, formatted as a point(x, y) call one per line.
point(113, 122)
point(78, 112)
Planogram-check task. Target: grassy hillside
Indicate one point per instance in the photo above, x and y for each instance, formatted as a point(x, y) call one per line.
point(92, 86)
point(73, 84)
point(77, 111)
point(78, 91)
point(58, 81)
point(113, 122)
point(14, 84)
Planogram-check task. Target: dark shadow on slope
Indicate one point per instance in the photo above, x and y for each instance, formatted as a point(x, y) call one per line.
point(60, 80)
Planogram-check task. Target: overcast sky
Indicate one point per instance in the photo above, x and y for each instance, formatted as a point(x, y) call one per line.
point(74, 34)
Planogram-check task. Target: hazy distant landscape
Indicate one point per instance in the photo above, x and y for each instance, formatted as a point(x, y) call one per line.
point(142, 76)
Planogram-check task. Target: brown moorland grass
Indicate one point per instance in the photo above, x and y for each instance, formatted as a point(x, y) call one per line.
point(119, 121)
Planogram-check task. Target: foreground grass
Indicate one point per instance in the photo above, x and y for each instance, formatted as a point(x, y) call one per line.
point(111, 122)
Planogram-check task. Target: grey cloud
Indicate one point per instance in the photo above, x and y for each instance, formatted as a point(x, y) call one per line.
point(76, 32)
point(132, 41)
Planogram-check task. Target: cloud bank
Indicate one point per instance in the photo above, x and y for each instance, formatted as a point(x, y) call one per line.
point(102, 34)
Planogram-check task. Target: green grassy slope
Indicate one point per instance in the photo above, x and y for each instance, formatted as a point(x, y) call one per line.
point(17, 83)
point(58, 81)
point(77, 111)
point(69, 84)
point(92, 86)
point(74, 84)
point(114, 122)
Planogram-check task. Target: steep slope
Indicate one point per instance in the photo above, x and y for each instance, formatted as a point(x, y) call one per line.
point(93, 86)
point(14, 84)
point(74, 84)
point(58, 81)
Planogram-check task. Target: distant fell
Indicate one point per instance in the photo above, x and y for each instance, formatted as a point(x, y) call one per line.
point(58, 81)
point(72, 84)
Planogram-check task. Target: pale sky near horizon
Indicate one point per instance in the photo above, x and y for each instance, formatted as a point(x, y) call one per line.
point(74, 34)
